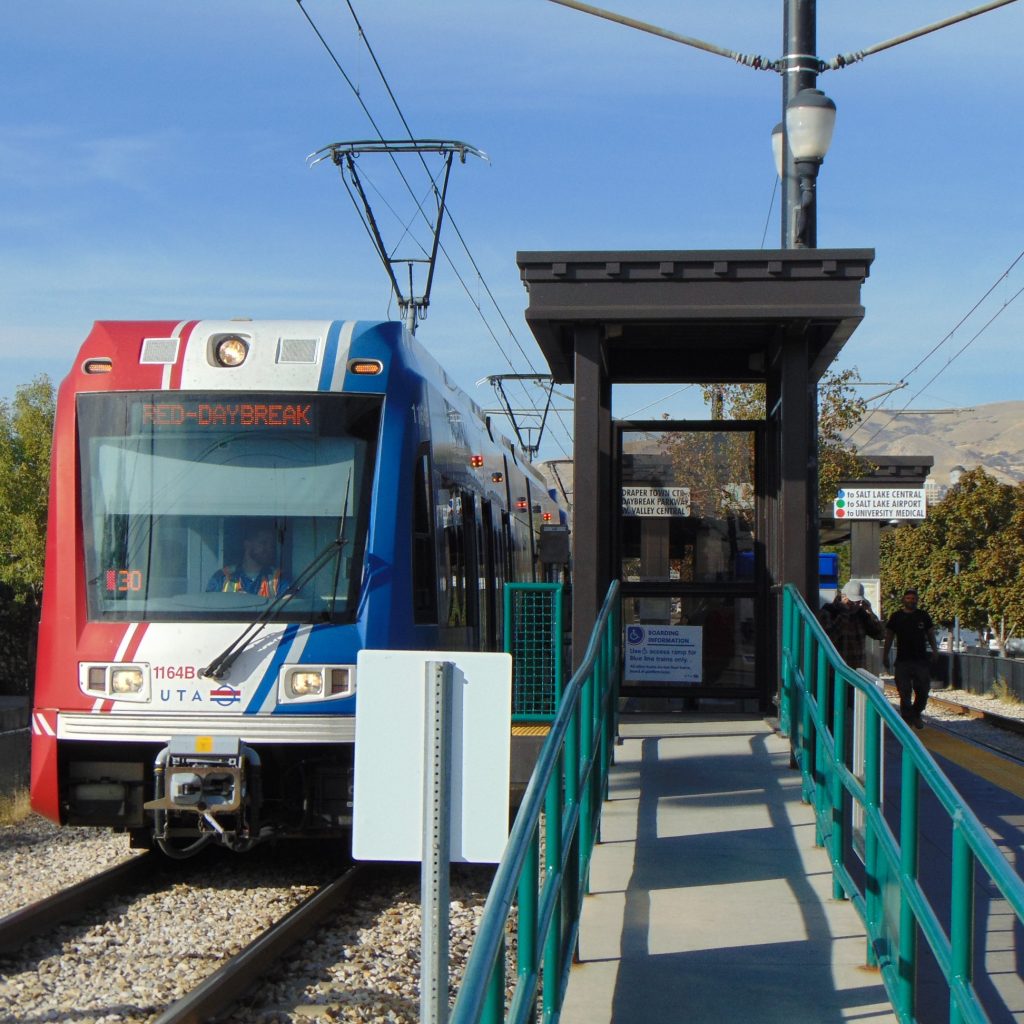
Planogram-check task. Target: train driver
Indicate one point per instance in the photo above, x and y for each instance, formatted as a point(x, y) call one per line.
point(257, 572)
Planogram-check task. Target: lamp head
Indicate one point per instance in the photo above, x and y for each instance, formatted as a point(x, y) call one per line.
point(810, 120)
point(778, 146)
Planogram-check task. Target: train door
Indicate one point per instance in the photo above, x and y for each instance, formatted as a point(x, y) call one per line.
point(691, 559)
point(472, 578)
point(424, 565)
point(490, 586)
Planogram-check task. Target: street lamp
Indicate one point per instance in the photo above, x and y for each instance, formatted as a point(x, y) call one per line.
point(810, 120)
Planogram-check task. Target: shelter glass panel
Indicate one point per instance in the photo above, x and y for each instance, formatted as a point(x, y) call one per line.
point(688, 506)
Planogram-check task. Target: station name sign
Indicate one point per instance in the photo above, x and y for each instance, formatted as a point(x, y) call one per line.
point(656, 501)
point(880, 503)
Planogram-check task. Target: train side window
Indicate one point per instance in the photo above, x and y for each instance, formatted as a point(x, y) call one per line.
point(455, 562)
point(424, 568)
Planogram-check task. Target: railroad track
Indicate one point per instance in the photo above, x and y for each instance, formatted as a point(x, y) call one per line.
point(217, 991)
point(241, 973)
point(17, 927)
point(1003, 723)
point(1014, 725)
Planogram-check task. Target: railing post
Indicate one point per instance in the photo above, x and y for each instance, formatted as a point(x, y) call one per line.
point(494, 1000)
point(961, 922)
point(785, 666)
point(558, 640)
point(526, 947)
point(554, 811)
point(909, 814)
point(841, 693)
point(822, 789)
point(872, 788)
point(604, 720)
point(586, 788)
point(807, 737)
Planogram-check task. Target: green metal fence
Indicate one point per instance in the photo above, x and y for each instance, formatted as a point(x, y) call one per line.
point(567, 788)
point(815, 703)
point(534, 638)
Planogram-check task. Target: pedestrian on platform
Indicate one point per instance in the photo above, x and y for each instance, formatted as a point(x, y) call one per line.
point(849, 620)
point(912, 629)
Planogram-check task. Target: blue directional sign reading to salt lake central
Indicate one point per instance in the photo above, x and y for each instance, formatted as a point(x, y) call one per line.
point(883, 503)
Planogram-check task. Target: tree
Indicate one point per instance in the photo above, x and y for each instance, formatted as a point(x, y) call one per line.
point(839, 411)
point(978, 527)
point(26, 433)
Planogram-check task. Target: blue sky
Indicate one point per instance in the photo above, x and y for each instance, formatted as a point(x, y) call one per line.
point(152, 164)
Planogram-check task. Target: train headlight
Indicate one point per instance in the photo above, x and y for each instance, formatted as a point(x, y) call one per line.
point(305, 683)
point(126, 680)
point(231, 350)
point(114, 682)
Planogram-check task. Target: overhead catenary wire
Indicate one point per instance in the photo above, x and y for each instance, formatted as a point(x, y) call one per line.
point(771, 206)
point(956, 355)
point(942, 341)
point(408, 186)
point(451, 220)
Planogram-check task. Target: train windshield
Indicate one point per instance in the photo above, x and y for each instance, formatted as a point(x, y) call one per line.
point(210, 506)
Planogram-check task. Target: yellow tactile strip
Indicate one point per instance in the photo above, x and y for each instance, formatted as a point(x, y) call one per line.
point(987, 764)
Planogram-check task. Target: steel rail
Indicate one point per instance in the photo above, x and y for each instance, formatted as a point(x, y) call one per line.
point(222, 988)
point(44, 914)
point(970, 711)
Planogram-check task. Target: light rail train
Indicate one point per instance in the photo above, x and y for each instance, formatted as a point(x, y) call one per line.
point(237, 509)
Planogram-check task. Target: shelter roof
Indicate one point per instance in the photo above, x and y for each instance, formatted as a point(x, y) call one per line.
point(693, 316)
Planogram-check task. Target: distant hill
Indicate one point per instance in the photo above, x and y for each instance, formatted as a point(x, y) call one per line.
point(991, 436)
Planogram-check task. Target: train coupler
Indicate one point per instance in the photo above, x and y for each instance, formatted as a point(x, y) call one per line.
point(213, 778)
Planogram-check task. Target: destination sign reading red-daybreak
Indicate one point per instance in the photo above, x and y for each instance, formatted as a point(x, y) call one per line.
point(226, 414)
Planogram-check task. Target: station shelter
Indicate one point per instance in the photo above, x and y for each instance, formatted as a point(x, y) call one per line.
point(703, 522)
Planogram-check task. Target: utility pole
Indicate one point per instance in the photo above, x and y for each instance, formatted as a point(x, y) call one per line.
point(800, 71)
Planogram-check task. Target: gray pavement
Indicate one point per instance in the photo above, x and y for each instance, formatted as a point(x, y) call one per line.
point(709, 901)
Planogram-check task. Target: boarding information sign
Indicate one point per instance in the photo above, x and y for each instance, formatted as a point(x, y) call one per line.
point(663, 654)
point(656, 501)
point(880, 503)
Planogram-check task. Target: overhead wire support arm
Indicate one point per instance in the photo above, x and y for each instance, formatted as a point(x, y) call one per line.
point(496, 381)
point(345, 154)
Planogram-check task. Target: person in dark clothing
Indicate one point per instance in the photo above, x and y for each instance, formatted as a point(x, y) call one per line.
point(848, 621)
point(912, 629)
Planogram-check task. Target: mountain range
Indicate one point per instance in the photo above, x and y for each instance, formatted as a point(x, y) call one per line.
point(991, 436)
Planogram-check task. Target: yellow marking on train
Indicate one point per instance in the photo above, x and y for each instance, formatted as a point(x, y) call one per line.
point(530, 729)
point(204, 744)
point(988, 765)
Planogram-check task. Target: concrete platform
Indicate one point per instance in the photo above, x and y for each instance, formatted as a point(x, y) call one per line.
point(709, 901)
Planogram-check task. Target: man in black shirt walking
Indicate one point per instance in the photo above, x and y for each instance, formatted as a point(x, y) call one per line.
point(913, 631)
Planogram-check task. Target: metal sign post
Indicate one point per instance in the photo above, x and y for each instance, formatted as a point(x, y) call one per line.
point(436, 863)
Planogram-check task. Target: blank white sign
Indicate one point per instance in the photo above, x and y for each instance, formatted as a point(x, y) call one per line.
point(389, 774)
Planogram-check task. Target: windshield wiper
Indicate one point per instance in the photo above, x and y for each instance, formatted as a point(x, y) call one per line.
point(218, 668)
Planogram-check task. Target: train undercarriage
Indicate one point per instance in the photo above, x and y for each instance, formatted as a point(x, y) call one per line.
point(198, 791)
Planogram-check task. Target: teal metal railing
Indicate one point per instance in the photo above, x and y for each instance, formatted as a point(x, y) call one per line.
point(814, 711)
point(567, 788)
point(534, 636)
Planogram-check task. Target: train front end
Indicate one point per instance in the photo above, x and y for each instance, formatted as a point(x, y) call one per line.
point(209, 526)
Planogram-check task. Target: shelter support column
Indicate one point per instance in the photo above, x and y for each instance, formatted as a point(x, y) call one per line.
point(798, 504)
point(592, 504)
point(865, 541)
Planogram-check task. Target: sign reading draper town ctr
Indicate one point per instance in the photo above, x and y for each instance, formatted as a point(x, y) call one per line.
point(656, 501)
point(880, 503)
